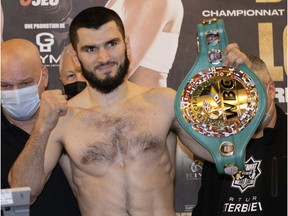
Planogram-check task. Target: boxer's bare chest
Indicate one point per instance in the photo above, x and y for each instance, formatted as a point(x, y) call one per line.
point(105, 135)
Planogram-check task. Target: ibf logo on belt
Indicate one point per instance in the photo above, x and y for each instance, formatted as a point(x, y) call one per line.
point(39, 2)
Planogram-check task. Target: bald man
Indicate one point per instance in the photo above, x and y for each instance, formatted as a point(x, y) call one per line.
point(70, 72)
point(23, 79)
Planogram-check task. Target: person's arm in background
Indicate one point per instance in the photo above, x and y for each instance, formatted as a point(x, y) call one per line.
point(234, 57)
point(143, 21)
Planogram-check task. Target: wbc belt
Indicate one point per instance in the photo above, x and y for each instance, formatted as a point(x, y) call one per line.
point(220, 107)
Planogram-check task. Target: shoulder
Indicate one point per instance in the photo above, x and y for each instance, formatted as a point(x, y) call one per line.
point(165, 90)
point(163, 94)
point(156, 92)
point(161, 99)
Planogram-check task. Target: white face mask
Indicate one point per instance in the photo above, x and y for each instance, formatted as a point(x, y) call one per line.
point(267, 115)
point(21, 104)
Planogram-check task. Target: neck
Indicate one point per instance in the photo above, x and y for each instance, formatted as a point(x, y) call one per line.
point(117, 95)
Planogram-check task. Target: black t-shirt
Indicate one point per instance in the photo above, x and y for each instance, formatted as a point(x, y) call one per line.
point(56, 198)
point(261, 189)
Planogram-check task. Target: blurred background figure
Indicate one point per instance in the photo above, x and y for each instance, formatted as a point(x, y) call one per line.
point(70, 72)
point(153, 28)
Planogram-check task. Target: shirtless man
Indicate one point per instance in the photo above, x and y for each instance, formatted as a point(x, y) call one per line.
point(119, 138)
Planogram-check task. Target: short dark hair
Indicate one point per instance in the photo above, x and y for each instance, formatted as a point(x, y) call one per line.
point(94, 18)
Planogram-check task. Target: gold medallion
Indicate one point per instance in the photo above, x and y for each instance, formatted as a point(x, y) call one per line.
point(219, 101)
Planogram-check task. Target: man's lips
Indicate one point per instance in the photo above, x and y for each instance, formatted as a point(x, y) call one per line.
point(105, 67)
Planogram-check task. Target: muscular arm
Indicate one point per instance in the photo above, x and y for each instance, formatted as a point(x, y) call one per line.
point(37, 160)
point(191, 143)
point(167, 98)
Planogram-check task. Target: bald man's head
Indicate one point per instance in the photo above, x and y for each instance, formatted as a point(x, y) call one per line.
point(21, 52)
point(20, 61)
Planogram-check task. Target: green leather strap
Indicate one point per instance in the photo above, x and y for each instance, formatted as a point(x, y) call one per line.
point(220, 107)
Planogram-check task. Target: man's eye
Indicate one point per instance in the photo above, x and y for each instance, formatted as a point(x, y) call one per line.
point(5, 86)
point(70, 76)
point(112, 43)
point(90, 49)
point(26, 84)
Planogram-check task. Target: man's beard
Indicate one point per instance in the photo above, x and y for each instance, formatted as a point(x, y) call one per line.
point(108, 84)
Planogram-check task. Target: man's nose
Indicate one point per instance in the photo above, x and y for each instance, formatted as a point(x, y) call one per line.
point(103, 55)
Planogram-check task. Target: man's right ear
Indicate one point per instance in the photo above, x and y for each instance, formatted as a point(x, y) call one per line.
point(128, 47)
point(75, 57)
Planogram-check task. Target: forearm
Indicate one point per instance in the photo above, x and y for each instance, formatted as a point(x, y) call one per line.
point(37, 160)
point(28, 169)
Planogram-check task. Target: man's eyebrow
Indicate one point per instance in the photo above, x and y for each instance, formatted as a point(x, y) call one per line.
point(27, 80)
point(113, 40)
point(84, 47)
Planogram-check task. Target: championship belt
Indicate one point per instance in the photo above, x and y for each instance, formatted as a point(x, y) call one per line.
point(220, 107)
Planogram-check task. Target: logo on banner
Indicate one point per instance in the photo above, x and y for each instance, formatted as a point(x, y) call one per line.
point(39, 2)
point(45, 11)
point(196, 168)
point(45, 40)
point(247, 178)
